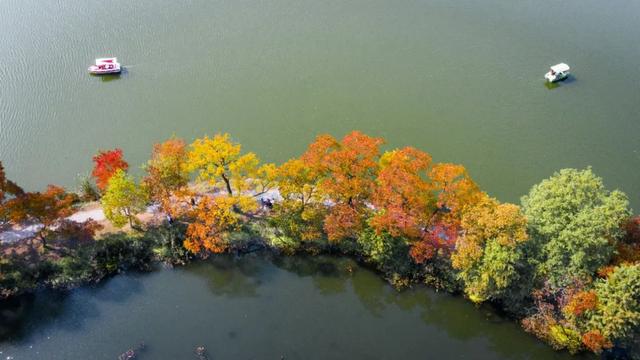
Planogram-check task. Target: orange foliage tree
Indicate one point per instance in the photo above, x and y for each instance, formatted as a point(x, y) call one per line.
point(48, 208)
point(348, 171)
point(213, 219)
point(403, 194)
point(595, 341)
point(581, 302)
point(166, 174)
point(454, 190)
point(105, 164)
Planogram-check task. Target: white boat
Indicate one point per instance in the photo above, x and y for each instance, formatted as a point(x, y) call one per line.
point(105, 66)
point(557, 72)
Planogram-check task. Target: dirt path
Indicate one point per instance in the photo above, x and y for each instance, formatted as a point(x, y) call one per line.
point(88, 211)
point(94, 211)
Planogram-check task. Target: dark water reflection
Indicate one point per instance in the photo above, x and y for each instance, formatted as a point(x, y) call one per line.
point(257, 307)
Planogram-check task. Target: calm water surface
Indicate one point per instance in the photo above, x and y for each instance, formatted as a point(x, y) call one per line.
point(256, 308)
point(460, 79)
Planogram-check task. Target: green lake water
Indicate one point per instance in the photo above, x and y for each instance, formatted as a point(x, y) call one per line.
point(460, 79)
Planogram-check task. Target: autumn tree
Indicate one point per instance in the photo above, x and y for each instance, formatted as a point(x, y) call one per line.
point(123, 199)
point(422, 202)
point(48, 208)
point(166, 172)
point(220, 161)
point(348, 171)
point(576, 221)
point(8, 189)
point(454, 190)
point(560, 316)
point(403, 195)
point(213, 219)
point(488, 252)
point(105, 164)
point(299, 216)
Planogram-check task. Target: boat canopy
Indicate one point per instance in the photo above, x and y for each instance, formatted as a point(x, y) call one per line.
point(562, 67)
point(106, 60)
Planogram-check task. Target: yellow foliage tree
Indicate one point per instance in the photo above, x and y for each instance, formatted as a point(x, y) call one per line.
point(488, 251)
point(300, 214)
point(219, 161)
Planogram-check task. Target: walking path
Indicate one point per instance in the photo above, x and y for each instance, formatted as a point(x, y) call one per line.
point(18, 233)
point(94, 211)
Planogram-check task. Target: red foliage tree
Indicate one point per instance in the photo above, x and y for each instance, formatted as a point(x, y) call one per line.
point(440, 237)
point(106, 163)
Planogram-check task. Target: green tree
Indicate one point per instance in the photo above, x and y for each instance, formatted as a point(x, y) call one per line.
point(389, 253)
point(575, 221)
point(123, 199)
point(617, 315)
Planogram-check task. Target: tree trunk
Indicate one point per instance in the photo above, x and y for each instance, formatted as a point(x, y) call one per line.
point(43, 240)
point(226, 181)
point(128, 213)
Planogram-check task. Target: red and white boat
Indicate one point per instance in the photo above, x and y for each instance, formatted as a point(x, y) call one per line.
point(105, 66)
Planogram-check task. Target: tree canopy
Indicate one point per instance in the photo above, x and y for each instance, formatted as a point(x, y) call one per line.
point(105, 164)
point(617, 314)
point(576, 221)
point(488, 252)
point(166, 172)
point(348, 170)
point(123, 199)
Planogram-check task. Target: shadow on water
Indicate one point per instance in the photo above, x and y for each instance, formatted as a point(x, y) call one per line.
point(330, 275)
point(454, 315)
point(234, 276)
point(112, 77)
point(551, 86)
point(23, 316)
point(242, 277)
